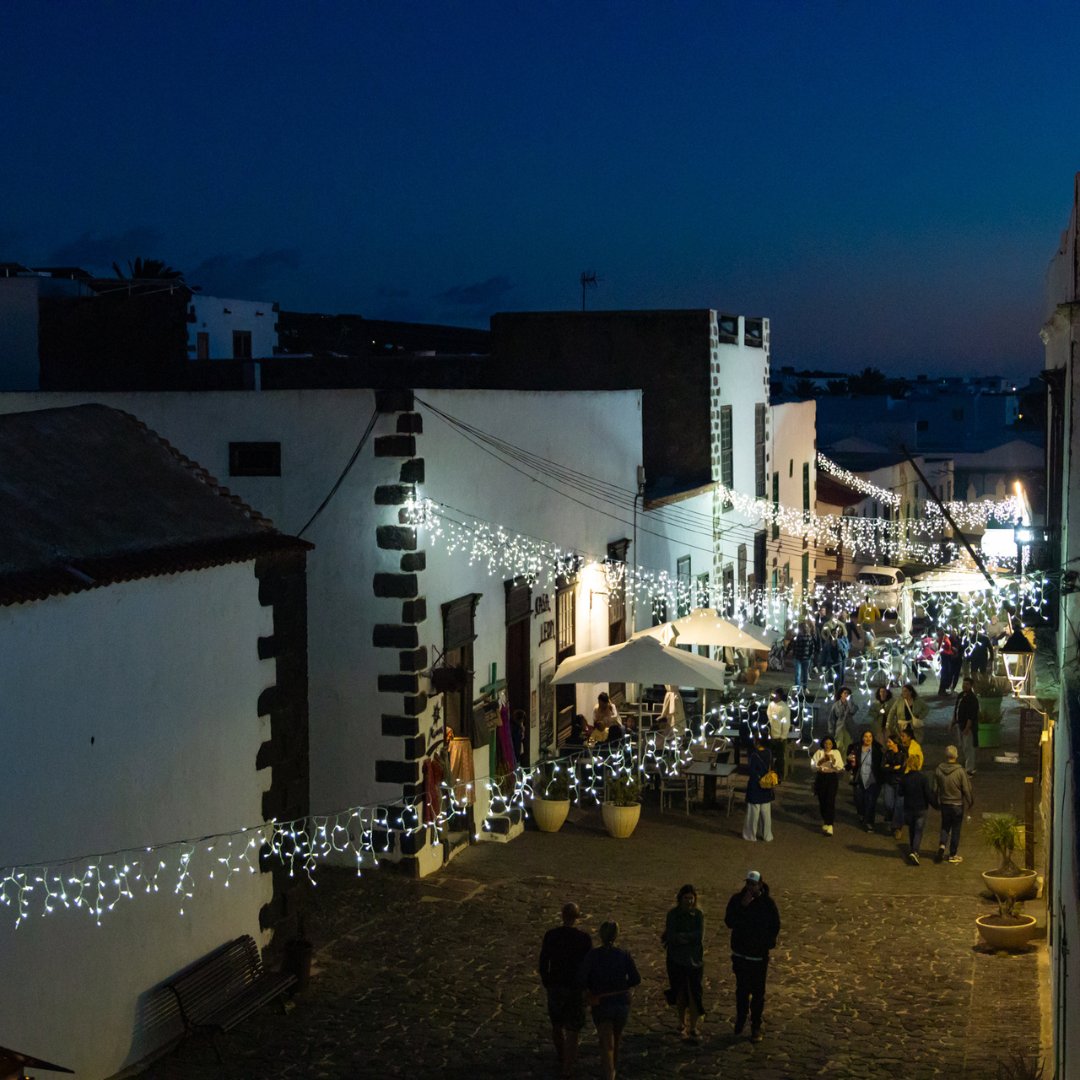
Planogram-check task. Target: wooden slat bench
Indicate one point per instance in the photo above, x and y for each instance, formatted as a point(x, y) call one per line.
point(225, 987)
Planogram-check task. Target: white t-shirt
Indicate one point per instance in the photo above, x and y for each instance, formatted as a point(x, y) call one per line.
point(779, 719)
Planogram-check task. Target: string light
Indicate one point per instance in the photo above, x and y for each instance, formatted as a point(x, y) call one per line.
point(857, 483)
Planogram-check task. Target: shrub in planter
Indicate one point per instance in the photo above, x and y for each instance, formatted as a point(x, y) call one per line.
point(621, 810)
point(551, 797)
point(1010, 928)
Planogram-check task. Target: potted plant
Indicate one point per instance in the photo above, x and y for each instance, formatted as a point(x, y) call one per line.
point(1003, 833)
point(551, 796)
point(990, 693)
point(1010, 928)
point(621, 809)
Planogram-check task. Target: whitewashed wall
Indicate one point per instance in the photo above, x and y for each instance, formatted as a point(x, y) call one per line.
point(597, 433)
point(129, 718)
point(793, 445)
point(219, 317)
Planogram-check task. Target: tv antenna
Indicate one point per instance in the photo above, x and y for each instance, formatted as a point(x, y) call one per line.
point(589, 280)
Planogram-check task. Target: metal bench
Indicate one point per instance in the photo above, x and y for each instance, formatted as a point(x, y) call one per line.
point(225, 987)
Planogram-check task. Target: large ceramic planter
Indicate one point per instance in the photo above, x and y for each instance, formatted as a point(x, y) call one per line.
point(1022, 886)
point(1006, 937)
point(989, 735)
point(549, 814)
point(620, 821)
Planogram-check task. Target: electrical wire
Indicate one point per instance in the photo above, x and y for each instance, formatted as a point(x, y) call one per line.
point(344, 472)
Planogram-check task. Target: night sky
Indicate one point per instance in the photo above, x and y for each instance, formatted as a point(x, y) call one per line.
point(885, 181)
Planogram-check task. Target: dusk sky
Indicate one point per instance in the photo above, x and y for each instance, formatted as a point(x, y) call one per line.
point(885, 181)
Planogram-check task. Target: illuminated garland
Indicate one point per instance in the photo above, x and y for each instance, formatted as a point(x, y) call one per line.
point(978, 515)
point(857, 483)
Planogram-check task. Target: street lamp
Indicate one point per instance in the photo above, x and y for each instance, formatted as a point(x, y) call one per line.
point(1018, 655)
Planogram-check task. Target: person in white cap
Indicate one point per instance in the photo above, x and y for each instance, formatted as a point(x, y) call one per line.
point(755, 924)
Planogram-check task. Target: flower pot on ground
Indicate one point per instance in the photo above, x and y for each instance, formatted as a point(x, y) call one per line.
point(551, 797)
point(1010, 928)
point(1008, 932)
point(989, 694)
point(621, 810)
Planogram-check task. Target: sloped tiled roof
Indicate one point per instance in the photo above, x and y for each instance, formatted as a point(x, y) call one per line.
point(90, 496)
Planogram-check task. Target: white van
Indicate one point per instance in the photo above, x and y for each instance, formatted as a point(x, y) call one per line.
point(884, 582)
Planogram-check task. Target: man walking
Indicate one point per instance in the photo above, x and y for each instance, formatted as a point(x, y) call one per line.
point(965, 717)
point(561, 954)
point(864, 761)
point(954, 795)
point(802, 650)
point(918, 796)
point(755, 924)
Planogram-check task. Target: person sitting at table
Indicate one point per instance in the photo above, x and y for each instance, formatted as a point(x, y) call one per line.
point(599, 732)
point(576, 739)
point(605, 710)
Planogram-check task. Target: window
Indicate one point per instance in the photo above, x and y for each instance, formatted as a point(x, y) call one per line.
point(459, 633)
point(740, 559)
point(202, 345)
point(754, 334)
point(682, 578)
point(805, 571)
point(759, 451)
point(728, 327)
point(241, 344)
point(759, 559)
point(702, 599)
point(776, 504)
point(254, 459)
point(806, 487)
point(728, 600)
point(565, 615)
point(727, 471)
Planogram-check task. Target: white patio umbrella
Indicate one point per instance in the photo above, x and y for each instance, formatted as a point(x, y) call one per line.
point(704, 627)
point(642, 660)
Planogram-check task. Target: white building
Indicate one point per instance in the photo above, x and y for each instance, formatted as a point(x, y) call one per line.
point(1061, 335)
point(230, 329)
point(793, 559)
point(133, 694)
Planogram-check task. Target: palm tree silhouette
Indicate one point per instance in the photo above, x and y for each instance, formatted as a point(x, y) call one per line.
point(148, 270)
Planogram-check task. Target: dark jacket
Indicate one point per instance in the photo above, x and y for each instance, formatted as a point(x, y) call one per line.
point(918, 793)
point(966, 711)
point(803, 647)
point(892, 765)
point(755, 926)
point(609, 973)
point(760, 763)
point(875, 762)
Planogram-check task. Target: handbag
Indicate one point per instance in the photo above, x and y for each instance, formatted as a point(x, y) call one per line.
point(769, 780)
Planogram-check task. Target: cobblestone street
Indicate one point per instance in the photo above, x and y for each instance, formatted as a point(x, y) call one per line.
point(876, 974)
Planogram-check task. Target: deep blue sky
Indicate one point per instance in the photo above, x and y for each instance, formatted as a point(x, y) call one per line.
point(886, 181)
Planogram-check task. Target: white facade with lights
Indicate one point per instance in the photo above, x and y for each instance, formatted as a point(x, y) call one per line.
point(129, 720)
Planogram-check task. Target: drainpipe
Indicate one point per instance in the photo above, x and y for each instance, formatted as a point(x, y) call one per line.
point(633, 595)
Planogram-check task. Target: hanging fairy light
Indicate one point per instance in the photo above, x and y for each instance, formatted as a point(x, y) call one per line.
point(857, 483)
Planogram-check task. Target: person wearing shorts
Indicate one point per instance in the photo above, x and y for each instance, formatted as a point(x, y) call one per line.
point(561, 954)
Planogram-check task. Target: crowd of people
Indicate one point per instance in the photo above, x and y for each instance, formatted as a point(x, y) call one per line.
point(577, 975)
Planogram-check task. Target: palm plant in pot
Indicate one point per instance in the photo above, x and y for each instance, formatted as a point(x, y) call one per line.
point(551, 795)
point(621, 809)
point(1009, 928)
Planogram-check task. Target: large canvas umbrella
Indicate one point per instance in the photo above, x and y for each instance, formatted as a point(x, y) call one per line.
point(704, 627)
point(642, 660)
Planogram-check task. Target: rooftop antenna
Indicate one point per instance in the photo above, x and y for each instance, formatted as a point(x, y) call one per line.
point(589, 280)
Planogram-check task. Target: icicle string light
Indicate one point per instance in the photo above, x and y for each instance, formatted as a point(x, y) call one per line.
point(857, 483)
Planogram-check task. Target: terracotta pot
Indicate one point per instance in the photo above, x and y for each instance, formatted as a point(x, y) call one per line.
point(1006, 937)
point(620, 821)
point(1021, 887)
point(549, 814)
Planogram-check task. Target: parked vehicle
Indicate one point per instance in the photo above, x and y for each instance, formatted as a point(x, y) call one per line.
point(884, 582)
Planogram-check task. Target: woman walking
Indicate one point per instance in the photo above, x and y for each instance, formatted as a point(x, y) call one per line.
point(759, 795)
point(827, 764)
point(608, 975)
point(683, 937)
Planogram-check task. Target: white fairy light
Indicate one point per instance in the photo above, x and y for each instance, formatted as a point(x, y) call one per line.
point(857, 483)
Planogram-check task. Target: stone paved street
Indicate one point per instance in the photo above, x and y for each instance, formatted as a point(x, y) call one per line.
point(877, 971)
